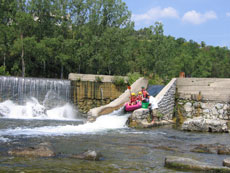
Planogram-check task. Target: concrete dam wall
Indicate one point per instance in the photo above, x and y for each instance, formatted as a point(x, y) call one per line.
point(89, 91)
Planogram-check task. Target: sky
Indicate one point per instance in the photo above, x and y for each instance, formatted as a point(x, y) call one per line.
point(197, 20)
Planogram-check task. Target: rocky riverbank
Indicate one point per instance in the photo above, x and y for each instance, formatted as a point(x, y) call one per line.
point(140, 118)
point(188, 164)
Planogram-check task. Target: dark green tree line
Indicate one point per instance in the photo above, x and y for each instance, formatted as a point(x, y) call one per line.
point(47, 38)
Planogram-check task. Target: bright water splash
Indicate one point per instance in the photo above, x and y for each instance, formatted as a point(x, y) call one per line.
point(102, 124)
point(34, 110)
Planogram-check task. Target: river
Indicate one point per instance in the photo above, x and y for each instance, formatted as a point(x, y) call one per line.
point(124, 149)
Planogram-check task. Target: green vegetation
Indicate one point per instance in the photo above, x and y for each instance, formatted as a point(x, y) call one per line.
point(53, 38)
point(119, 81)
point(99, 79)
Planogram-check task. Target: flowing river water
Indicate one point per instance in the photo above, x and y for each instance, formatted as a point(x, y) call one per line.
point(124, 149)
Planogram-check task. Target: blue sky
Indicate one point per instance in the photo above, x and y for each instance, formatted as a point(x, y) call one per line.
point(198, 20)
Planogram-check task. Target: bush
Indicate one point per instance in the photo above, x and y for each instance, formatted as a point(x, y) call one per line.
point(98, 79)
point(132, 77)
point(119, 81)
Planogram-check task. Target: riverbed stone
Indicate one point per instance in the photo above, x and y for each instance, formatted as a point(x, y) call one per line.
point(89, 155)
point(205, 148)
point(181, 163)
point(226, 162)
point(41, 150)
point(205, 125)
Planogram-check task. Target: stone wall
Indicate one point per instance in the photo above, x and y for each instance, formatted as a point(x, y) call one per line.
point(166, 100)
point(203, 97)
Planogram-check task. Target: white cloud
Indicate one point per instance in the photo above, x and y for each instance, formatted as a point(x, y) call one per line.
point(198, 18)
point(228, 14)
point(155, 14)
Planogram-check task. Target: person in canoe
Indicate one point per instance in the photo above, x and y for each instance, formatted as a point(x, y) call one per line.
point(139, 96)
point(145, 94)
point(133, 99)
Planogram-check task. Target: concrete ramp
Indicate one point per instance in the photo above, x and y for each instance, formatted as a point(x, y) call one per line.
point(119, 102)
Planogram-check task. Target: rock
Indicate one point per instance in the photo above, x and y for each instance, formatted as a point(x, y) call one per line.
point(140, 114)
point(205, 125)
point(188, 107)
point(214, 111)
point(212, 149)
point(91, 119)
point(225, 107)
point(89, 155)
point(42, 150)
point(224, 150)
point(206, 111)
point(181, 163)
point(166, 148)
point(205, 148)
point(219, 106)
point(226, 162)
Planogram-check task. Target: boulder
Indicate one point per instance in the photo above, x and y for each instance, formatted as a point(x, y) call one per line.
point(89, 155)
point(140, 114)
point(181, 163)
point(205, 148)
point(223, 150)
point(212, 149)
point(226, 162)
point(140, 119)
point(42, 150)
point(205, 125)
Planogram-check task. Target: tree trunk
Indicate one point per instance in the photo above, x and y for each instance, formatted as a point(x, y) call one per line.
point(44, 68)
point(4, 61)
point(61, 71)
point(22, 58)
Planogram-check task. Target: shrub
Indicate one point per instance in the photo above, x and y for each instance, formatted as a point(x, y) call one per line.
point(99, 79)
point(119, 81)
point(132, 77)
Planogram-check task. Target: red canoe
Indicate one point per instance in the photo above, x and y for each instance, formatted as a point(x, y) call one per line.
point(129, 108)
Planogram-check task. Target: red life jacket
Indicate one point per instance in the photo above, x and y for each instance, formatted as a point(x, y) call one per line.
point(145, 94)
point(139, 97)
point(133, 99)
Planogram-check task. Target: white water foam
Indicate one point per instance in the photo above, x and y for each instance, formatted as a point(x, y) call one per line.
point(102, 124)
point(34, 110)
point(2, 139)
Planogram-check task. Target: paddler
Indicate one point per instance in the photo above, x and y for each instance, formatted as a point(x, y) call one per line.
point(133, 99)
point(139, 96)
point(145, 94)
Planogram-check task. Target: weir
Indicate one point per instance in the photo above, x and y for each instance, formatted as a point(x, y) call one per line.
point(35, 98)
point(20, 89)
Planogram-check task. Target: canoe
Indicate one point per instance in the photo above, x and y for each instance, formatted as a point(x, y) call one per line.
point(129, 108)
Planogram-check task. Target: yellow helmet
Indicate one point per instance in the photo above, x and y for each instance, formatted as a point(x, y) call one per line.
point(133, 94)
point(140, 92)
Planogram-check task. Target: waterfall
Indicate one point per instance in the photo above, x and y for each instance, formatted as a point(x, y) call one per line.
point(19, 89)
point(35, 98)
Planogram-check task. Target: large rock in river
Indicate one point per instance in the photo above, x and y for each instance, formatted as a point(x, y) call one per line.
point(140, 118)
point(42, 150)
point(89, 155)
point(181, 163)
point(205, 125)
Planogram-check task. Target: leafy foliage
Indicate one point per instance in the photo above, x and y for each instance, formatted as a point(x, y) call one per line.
point(53, 38)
